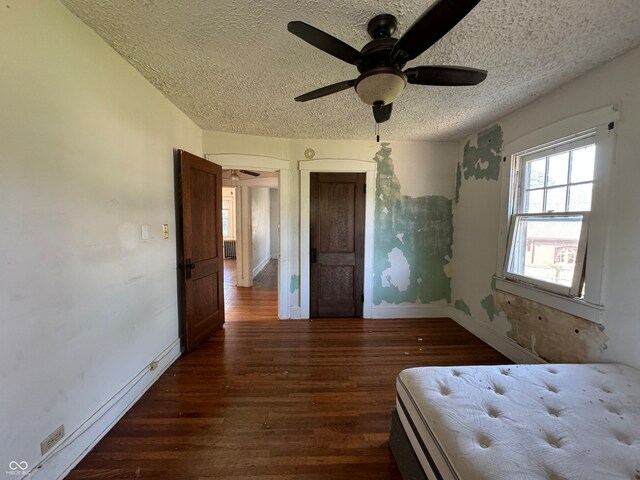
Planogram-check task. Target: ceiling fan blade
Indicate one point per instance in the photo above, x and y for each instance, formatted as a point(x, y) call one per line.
point(445, 75)
point(328, 90)
point(430, 27)
point(249, 172)
point(382, 113)
point(326, 43)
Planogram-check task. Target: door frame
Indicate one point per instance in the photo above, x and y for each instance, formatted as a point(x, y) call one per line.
point(341, 165)
point(271, 164)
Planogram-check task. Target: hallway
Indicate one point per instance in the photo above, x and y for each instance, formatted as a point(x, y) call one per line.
point(259, 302)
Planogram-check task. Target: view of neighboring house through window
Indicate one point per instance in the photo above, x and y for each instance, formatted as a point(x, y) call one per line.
point(548, 234)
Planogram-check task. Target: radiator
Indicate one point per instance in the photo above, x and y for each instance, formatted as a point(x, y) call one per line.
point(229, 249)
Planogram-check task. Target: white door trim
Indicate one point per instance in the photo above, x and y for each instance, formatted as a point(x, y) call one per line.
point(336, 165)
point(244, 239)
point(260, 162)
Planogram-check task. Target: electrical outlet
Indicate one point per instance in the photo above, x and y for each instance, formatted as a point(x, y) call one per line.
point(53, 438)
point(153, 365)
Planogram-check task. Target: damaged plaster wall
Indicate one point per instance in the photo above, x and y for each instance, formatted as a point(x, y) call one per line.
point(551, 334)
point(546, 332)
point(412, 241)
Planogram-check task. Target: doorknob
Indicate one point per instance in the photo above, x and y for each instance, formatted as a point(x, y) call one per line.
point(188, 266)
point(313, 256)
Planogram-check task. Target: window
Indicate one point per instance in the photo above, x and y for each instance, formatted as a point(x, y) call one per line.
point(548, 235)
point(225, 222)
point(554, 213)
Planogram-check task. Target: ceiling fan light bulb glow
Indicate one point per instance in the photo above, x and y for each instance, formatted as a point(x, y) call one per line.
point(380, 85)
point(234, 177)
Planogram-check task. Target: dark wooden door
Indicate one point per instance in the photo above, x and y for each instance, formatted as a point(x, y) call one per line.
point(201, 256)
point(337, 244)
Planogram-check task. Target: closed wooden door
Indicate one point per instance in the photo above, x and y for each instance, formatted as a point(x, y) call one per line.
point(337, 244)
point(201, 253)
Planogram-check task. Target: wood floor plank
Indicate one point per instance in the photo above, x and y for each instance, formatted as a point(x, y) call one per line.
point(269, 399)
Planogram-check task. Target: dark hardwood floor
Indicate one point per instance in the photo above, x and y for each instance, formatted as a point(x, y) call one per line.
point(279, 399)
point(259, 302)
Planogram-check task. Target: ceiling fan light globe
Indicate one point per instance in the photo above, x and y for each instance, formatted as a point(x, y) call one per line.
point(380, 85)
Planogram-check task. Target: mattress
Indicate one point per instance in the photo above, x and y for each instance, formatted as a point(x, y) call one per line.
point(550, 422)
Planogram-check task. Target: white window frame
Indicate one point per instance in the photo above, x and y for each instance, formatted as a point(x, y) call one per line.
point(598, 124)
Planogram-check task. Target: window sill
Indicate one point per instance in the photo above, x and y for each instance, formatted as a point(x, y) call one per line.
point(573, 306)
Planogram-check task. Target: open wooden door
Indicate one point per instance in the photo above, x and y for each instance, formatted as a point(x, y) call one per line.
point(337, 244)
point(201, 257)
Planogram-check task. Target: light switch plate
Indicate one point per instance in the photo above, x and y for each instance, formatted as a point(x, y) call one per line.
point(145, 232)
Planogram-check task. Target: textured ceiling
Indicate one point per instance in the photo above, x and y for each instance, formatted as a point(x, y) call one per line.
point(232, 66)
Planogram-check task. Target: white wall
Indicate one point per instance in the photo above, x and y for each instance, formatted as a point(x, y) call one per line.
point(476, 216)
point(273, 221)
point(260, 228)
point(86, 158)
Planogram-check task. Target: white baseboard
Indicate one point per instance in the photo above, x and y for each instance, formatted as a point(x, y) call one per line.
point(410, 311)
point(261, 265)
point(68, 454)
point(501, 343)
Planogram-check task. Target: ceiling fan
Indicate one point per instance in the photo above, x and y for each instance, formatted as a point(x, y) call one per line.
point(380, 62)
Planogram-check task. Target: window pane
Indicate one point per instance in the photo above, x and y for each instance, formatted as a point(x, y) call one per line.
point(535, 173)
point(225, 222)
point(582, 161)
point(558, 169)
point(545, 248)
point(556, 199)
point(580, 197)
point(533, 201)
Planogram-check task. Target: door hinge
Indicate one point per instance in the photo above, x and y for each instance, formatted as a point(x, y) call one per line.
point(364, 188)
point(362, 298)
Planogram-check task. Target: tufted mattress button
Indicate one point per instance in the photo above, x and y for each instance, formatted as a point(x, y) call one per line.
point(493, 413)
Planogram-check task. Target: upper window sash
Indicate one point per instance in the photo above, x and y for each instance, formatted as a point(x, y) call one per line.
point(575, 141)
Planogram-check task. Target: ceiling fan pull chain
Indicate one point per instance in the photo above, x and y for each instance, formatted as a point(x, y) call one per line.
point(378, 132)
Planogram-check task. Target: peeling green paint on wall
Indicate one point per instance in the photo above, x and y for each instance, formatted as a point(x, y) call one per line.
point(483, 161)
point(412, 241)
point(489, 306)
point(462, 306)
point(295, 283)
